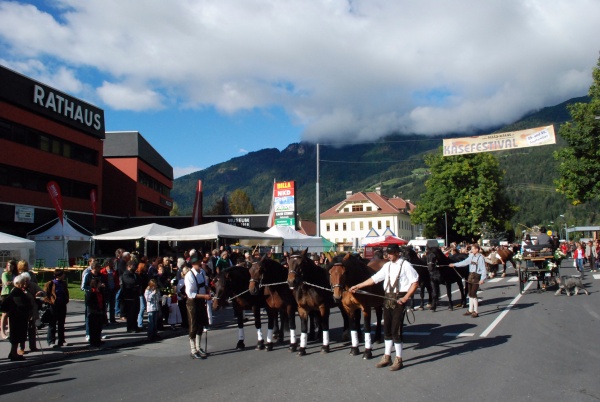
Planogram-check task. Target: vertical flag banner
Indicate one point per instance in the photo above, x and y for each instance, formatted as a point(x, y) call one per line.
point(54, 192)
point(93, 200)
point(271, 221)
point(284, 203)
point(197, 211)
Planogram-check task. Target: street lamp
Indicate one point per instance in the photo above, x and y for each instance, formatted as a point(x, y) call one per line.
point(566, 233)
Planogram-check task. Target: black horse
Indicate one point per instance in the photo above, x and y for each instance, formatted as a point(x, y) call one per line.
point(420, 265)
point(270, 277)
point(310, 285)
point(441, 273)
point(231, 285)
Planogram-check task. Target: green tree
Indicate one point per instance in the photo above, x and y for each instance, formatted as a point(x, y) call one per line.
point(239, 203)
point(219, 208)
point(464, 193)
point(175, 210)
point(579, 167)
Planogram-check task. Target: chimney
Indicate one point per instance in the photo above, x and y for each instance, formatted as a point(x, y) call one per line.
point(348, 194)
point(378, 190)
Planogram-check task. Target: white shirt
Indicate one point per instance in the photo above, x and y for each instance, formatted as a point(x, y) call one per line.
point(389, 274)
point(191, 290)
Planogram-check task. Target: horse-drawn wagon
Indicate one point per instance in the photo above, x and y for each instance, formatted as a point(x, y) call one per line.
point(542, 266)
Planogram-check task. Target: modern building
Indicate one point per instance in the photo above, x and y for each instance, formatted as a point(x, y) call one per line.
point(50, 140)
point(365, 214)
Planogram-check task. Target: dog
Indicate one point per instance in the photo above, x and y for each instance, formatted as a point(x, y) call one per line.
point(569, 283)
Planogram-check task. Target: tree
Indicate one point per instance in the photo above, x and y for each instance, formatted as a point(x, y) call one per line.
point(579, 167)
point(239, 203)
point(220, 207)
point(467, 192)
point(175, 210)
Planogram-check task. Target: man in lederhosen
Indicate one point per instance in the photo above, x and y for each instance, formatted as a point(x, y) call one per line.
point(196, 289)
point(477, 274)
point(400, 281)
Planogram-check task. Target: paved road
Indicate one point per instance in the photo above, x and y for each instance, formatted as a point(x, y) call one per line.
point(542, 347)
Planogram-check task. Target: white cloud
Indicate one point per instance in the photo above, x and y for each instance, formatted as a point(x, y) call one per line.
point(179, 171)
point(243, 151)
point(343, 69)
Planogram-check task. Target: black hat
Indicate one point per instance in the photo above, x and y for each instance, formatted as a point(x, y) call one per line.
point(393, 248)
point(194, 259)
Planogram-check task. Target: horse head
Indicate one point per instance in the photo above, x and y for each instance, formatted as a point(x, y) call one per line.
point(256, 276)
point(220, 283)
point(432, 259)
point(297, 262)
point(337, 279)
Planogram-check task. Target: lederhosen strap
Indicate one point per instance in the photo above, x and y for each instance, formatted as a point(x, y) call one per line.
point(389, 291)
point(198, 285)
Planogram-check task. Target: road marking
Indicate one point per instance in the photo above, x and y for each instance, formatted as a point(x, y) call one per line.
point(515, 279)
point(495, 280)
point(459, 334)
point(503, 313)
point(416, 333)
point(596, 276)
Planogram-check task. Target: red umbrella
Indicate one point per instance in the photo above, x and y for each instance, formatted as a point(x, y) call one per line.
point(388, 240)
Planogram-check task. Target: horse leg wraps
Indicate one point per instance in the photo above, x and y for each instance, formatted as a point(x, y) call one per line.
point(292, 336)
point(241, 336)
point(354, 336)
point(398, 347)
point(368, 340)
point(325, 338)
point(303, 337)
point(269, 335)
point(474, 303)
point(388, 346)
point(259, 334)
point(193, 345)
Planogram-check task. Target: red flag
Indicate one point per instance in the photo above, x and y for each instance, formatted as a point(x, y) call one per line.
point(93, 200)
point(197, 211)
point(271, 221)
point(54, 191)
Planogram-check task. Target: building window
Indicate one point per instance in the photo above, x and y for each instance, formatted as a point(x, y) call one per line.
point(346, 209)
point(360, 224)
point(369, 209)
point(344, 226)
point(335, 227)
point(370, 225)
point(154, 184)
point(357, 208)
point(151, 208)
point(379, 225)
point(387, 224)
point(352, 226)
point(327, 228)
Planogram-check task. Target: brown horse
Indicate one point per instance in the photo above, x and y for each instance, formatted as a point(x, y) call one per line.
point(496, 257)
point(271, 276)
point(345, 273)
point(310, 285)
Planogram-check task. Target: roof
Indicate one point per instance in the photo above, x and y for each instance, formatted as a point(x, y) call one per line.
point(135, 233)
point(384, 205)
point(308, 228)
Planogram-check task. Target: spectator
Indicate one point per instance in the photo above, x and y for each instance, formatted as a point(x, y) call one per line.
point(8, 276)
point(110, 278)
point(94, 302)
point(33, 291)
point(130, 292)
point(93, 274)
point(153, 304)
point(18, 307)
point(142, 273)
point(121, 266)
point(182, 297)
point(57, 296)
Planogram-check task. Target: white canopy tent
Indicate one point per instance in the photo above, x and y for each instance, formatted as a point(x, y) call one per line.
point(60, 242)
point(296, 240)
point(135, 233)
point(218, 230)
point(17, 248)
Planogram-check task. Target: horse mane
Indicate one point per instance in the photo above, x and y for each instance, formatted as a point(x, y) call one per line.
point(356, 270)
point(240, 276)
point(273, 271)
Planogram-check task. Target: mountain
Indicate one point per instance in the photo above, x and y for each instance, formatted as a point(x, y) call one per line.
point(394, 163)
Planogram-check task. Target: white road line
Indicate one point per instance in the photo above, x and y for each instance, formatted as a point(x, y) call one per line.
point(596, 276)
point(514, 279)
point(494, 280)
point(459, 334)
point(504, 312)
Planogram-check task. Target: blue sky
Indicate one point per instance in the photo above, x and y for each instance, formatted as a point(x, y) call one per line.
point(205, 81)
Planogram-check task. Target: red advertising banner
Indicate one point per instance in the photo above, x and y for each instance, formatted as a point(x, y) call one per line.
point(93, 200)
point(54, 191)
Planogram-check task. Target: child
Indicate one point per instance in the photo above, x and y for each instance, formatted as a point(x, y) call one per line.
point(174, 312)
point(152, 296)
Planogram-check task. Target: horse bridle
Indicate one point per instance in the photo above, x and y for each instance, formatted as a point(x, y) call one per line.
point(337, 285)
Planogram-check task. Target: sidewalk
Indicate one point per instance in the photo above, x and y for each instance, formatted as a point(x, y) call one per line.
point(117, 337)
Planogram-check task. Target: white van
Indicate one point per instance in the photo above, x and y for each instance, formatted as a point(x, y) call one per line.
point(423, 243)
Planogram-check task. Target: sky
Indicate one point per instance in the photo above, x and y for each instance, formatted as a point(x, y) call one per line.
point(205, 81)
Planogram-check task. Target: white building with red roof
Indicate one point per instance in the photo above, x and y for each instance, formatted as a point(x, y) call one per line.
point(364, 214)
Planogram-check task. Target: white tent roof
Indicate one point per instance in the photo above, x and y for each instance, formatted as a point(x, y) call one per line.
point(295, 239)
point(287, 232)
point(11, 242)
point(215, 230)
point(138, 232)
point(60, 232)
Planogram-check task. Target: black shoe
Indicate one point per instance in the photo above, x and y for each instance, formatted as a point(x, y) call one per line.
point(16, 357)
point(196, 356)
point(202, 354)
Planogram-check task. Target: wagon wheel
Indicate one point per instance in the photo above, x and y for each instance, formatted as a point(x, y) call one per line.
point(521, 274)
